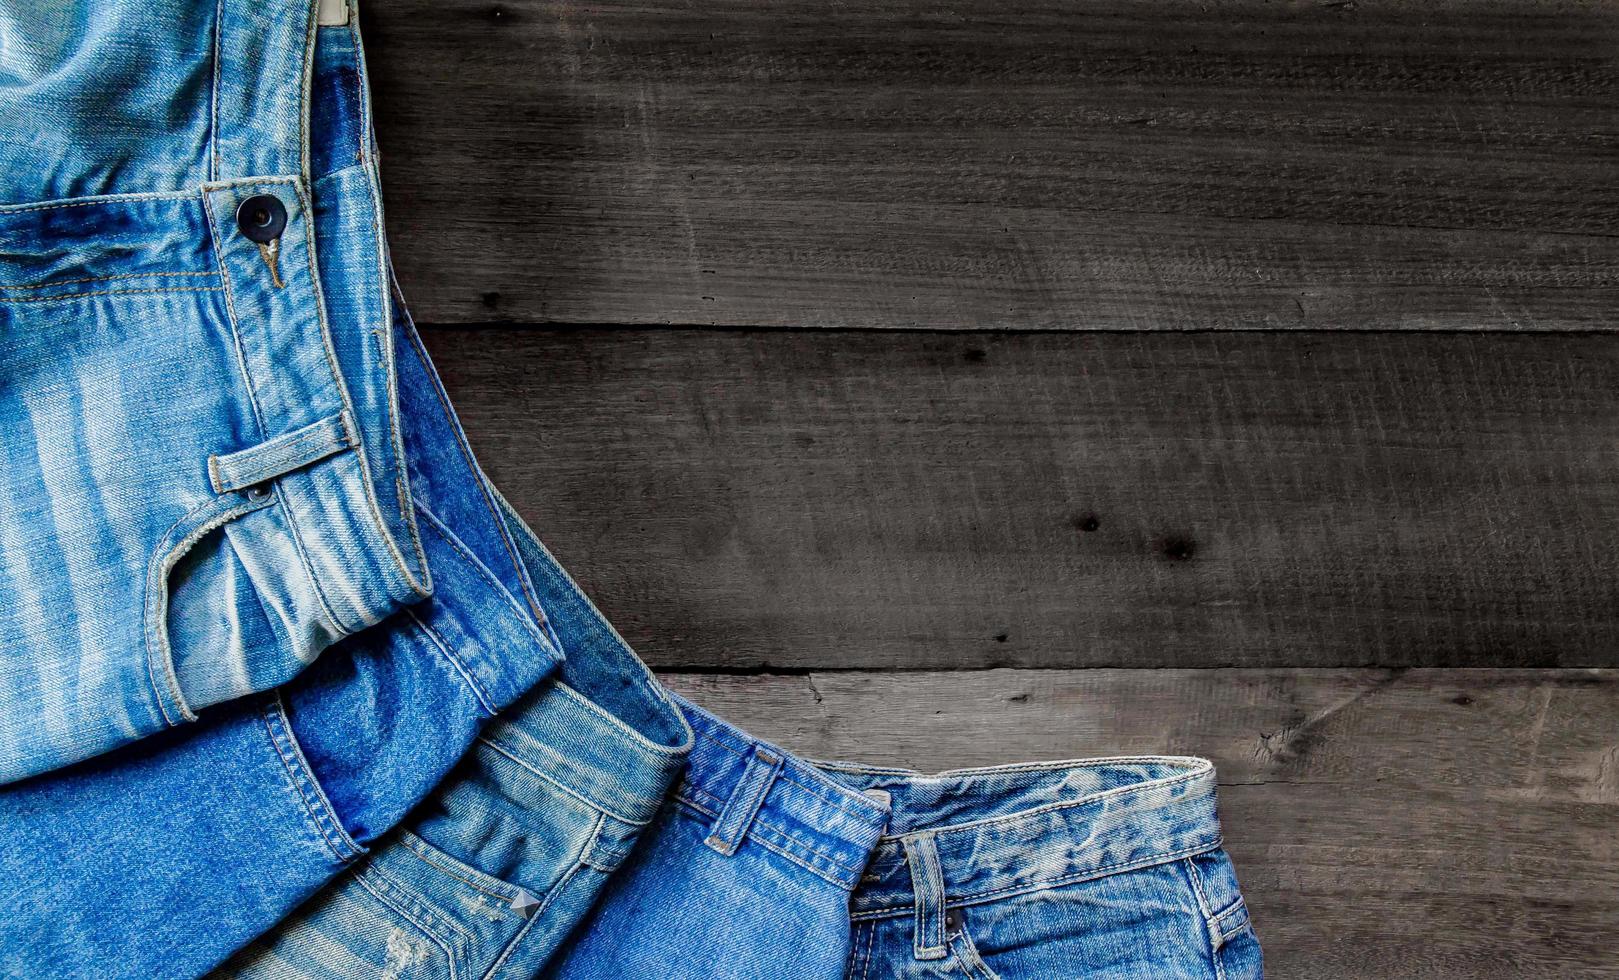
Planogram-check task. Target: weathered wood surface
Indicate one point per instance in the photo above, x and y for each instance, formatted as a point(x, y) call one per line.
point(1385, 824)
point(1402, 164)
point(1356, 504)
point(932, 500)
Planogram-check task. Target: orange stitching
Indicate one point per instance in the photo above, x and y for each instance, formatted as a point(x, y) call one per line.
point(110, 292)
point(130, 275)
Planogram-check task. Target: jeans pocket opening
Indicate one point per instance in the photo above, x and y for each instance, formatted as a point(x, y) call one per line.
point(1223, 909)
point(182, 536)
point(964, 950)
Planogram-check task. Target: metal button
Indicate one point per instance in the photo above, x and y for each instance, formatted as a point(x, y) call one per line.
point(262, 218)
point(258, 491)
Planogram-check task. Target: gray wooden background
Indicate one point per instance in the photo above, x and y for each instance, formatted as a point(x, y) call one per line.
point(970, 381)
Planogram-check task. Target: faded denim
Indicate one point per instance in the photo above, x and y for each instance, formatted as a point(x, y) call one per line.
point(163, 858)
point(203, 483)
point(766, 867)
point(506, 858)
point(746, 873)
point(1105, 868)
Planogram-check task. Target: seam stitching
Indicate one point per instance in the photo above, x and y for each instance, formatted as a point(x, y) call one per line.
point(516, 757)
point(1086, 875)
point(812, 790)
point(443, 645)
point(431, 916)
point(546, 901)
point(96, 201)
point(785, 838)
point(338, 626)
point(1084, 801)
point(125, 275)
point(414, 852)
point(155, 610)
point(339, 849)
point(787, 853)
point(420, 587)
point(213, 96)
point(403, 913)
point(5, 300)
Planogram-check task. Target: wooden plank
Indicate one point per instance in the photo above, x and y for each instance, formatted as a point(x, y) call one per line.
point(975, 164)
point(931, 500)
point(1385, 824)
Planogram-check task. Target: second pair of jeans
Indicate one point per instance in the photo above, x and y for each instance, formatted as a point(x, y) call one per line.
point(507, 856)
point(763, 866)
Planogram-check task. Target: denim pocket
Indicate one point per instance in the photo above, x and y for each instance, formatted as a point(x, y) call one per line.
point(1233, 945)
point(965, 952)
point(157, 386)
point(367, 925)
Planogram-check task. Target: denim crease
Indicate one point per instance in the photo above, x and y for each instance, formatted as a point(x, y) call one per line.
point(764, 866)
point(162, 858)
point(203, 483)
point(1107, 868)
point(506, 857)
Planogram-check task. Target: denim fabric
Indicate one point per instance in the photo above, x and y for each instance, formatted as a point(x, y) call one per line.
point(163, 858)
point(203, 482)
point(1106, 868)
point(747, 873)
point(764, 866)
point(507, 856)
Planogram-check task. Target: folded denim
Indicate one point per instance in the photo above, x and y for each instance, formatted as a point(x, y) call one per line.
point(203, 481)
point(505, 859)
point(765, 866)
point(163, 858)
point(747, 872)
point(1094, 868)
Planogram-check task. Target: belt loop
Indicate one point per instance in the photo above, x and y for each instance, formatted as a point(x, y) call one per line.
point(734, 820)
point(927, 882)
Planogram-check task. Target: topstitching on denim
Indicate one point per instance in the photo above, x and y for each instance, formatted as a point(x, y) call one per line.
point(1163, 811)
point(803, 816)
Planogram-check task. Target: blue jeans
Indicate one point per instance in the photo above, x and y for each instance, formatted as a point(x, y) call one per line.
point(1105, 868)
point(508, 855)
point(204, 482)
point(162, 858)
point(763, 866)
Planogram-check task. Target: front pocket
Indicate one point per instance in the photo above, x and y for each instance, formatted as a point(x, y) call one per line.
point(356, 929)
point(184, 536)
point(963, 950)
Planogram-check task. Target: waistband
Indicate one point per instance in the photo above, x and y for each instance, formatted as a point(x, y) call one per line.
point(752, 791)
point(975, 835)
point(603, 727)
point(565, 738)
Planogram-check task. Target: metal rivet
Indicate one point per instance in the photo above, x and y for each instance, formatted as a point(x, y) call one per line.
point(952, 921)
point(258, 491)
point(523, 903)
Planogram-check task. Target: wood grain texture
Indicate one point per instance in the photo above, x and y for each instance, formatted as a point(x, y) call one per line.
point(871, 499)
point(1385, 824)
point(980, 164)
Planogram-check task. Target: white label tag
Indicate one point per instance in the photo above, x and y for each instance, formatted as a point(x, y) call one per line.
point(332, 13)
